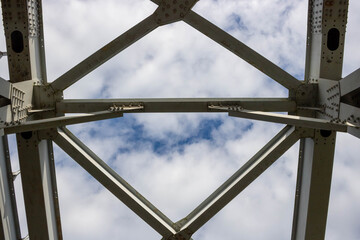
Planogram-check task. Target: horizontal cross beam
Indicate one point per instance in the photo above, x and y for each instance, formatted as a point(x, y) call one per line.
point(176, 104)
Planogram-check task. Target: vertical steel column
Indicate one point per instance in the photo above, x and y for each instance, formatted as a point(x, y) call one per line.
point(313, 186)
point(324, 57)
point(26, 57)
point(9, 223)
point(38, 181)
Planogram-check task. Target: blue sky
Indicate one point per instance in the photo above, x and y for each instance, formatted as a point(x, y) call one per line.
point(177, 160)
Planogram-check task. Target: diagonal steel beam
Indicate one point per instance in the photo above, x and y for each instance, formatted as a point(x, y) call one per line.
point(66, 120)
point(298, 121)
point(60, 121)
point(105, 53)
point(114, 183)
point(176, 104)
point(350, 83)
point(240, 180)
point(241, 50)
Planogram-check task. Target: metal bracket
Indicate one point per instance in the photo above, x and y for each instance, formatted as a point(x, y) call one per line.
point(329, 99)
point(180, 235)
point(350, 114)
point(305, 132)
point(17, 99)
point(19, 107)
point(306, 95)
point(45, 97)
point(48, 134)
point(170, 11)
point(2, 54)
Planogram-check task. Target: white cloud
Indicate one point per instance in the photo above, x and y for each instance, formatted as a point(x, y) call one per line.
point(344, 214)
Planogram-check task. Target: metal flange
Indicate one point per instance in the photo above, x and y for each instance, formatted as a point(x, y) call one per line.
point(170, 11)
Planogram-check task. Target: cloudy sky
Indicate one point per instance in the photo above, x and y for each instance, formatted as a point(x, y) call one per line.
point(177, 160)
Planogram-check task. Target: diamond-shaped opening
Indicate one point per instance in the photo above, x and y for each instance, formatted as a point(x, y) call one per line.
point(178, 174)
point(178, 179)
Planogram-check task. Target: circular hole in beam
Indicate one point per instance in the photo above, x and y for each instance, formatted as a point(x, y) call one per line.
point(325, 133)
point(17, 41)
point(26, 135)
point(333, 39)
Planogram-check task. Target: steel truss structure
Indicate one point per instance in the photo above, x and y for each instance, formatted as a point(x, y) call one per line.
point(318, 107)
